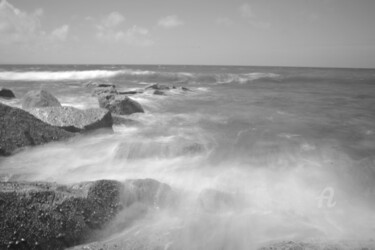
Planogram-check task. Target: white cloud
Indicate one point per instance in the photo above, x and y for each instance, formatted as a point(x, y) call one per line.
point(61, 33)
point(19, 27)
point(110, 30)
point(248, 14)
point(170, 22)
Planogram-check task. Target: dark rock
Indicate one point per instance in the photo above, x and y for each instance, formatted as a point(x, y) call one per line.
point(73, 119)
point(131, 92)
point(100, 91)
point(157, 86)
point(120, 104)
point(99, 84)
point(38, 99)
point(6, 93)
point(50, 216)
point(159, 92)
point(18, 129)
point(185, 89)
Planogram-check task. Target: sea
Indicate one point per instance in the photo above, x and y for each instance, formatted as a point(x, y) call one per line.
point(286, 153)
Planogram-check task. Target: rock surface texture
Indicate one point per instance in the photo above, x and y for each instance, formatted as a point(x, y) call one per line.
point(18, 129)
point(73, 119)
point(39, 98)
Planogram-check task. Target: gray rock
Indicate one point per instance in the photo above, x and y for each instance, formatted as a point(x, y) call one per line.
point(159, 92)
point(6, 93)
point(120, 104)
point(130, 91)
point(19, 129)
point(157, 86)
point(38, 99)
point(51, 216)
point(73, 119)
point(99, 91)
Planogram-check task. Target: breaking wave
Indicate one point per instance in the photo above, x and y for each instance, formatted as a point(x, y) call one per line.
point(58, 75)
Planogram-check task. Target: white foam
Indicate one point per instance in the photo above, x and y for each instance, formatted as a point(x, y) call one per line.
point(58, 75)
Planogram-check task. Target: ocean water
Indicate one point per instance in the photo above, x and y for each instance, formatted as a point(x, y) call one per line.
point(292, 148)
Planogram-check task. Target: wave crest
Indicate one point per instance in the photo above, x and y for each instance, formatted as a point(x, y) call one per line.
point(58, 75)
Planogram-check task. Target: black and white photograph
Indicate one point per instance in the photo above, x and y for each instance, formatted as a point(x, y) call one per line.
point(187, 125)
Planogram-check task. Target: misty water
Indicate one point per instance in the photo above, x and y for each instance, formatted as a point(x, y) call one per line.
point(253, 154)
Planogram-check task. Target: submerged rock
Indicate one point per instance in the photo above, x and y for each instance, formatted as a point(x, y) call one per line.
point(120, 104)
point(157, 86)
point(6, 93)
point(50, 216)
point(159, 92)
point(73, 119)
point(18, 129)
point(38, 99)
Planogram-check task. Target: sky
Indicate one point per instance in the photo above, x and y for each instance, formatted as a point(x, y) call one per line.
point(312, 33)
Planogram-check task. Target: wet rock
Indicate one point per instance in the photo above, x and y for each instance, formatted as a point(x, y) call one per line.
point(130, 92)
point(103, 91)
point(74, 120)
point(99, 84)
point(38, 99)
point(6, 93)
point(119, 120)
point(120, 104)
point(50, 216)
point(19, 128)
point(150, 191)
point(157, 86)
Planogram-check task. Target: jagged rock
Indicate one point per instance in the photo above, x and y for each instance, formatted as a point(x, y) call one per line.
point(100, 91)
point(39, 98)
point(157, 86)
point(73, 119)
point(18, 129)
point(120, 104)
point(50, 216)
point(6, 93)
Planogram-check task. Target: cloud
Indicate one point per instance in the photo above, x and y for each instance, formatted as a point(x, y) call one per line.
point(247, 13)
point(170, 22)
point(19, 27)
point(110, 30)
point(61, 33)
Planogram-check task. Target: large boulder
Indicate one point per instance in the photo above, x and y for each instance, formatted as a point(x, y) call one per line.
point(19, 128)
point(6, 93)
point(120, 104)
point(73, 119)
point(51, 216)
point(39, 98)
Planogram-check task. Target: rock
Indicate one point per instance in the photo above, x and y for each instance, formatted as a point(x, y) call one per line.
point(18, 129)
point(74, 120)
point(99, 84)
point(99, 91)
point(159, 92)
point(120, 104)
point(131, 92)
point(157, 86)
point(51, 216)
point(39, 98)
point(150, 191)
point(6, 93)
point(185, 89)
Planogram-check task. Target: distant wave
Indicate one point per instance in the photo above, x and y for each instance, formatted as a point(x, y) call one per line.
point(58, 75)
